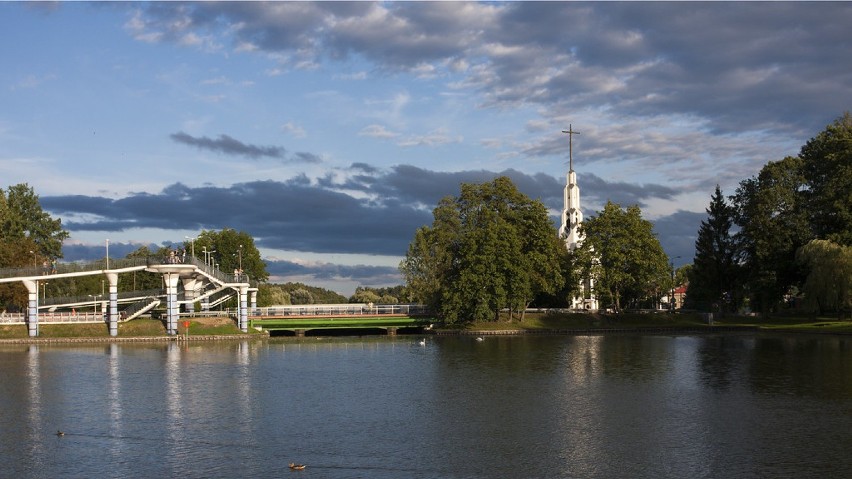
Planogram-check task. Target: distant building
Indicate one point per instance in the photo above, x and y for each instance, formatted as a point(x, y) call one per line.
point(572, 218)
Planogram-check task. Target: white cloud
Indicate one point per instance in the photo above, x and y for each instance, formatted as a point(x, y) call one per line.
point(377, 131)
point(294, 129)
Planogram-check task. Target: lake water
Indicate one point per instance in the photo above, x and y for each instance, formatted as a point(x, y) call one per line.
point(620, 405)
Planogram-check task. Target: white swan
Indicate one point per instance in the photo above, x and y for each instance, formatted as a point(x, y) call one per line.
point(422, 342)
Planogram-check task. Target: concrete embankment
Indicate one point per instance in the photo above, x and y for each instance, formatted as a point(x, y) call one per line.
point(136, 339)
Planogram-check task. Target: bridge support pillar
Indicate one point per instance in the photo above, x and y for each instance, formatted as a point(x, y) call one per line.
point(253, 301)
point(113, 303)
point(391, 331)
point(190, 286)
point(32, 307)
point(243, 314)
point(205, 304)
point(300, 333)
point(172, 311)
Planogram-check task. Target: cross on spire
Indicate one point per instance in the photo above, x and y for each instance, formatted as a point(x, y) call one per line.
point(571, 134)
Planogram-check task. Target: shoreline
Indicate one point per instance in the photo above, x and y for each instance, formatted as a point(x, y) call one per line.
point(136, 339)
point(436, 332)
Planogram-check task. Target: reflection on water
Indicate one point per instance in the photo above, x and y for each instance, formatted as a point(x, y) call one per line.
point(562, 406)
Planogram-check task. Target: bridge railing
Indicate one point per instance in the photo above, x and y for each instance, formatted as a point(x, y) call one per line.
point(351, 309)
point(76, 267)
point(98, 298)
point(51, 318)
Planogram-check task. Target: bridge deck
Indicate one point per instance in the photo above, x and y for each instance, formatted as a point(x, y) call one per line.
point(337, 322)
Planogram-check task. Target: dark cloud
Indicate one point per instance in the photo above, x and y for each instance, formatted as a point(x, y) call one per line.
point(738, 65)
point(229, 146)
point(677, 233)
point(362, 274)
point(322, 216)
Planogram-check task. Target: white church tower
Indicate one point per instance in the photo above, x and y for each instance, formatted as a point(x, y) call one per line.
point(572, 218)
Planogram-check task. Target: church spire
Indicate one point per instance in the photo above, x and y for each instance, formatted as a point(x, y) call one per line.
point(569, 230)
point(571, 134)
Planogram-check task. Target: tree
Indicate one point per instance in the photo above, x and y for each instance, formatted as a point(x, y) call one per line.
point(301, 296)
point(828, 286)
point(622, 252)
point(25, 227)
point(714, 277)
point(28, 237)
point(487, 249)
point(364, 295)
point(827, 174)
point(232, 250)
point(272, 295)
point(773, 225)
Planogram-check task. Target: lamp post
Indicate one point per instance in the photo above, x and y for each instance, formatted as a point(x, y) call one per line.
point(672, 297)
point(241, 259)
point(44, 289)
point(191, 245)
point(107, 253)
point(94, 303)
point(208, 256)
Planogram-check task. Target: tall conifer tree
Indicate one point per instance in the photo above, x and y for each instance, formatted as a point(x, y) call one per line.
point(714, 278)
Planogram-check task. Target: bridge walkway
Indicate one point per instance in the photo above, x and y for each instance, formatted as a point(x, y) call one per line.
point(193, 274)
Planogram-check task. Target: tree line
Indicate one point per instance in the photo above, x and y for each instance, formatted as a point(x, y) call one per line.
point(783, 239)
point(493, 249)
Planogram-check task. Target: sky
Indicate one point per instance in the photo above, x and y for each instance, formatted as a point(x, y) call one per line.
point(329, 131)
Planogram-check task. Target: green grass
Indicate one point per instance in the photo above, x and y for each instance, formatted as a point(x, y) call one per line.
point(791, 323)
point(587, 321)
point(531, 322)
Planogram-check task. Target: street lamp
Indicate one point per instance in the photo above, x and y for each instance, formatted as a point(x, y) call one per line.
point(672, 297)
point(107, 253)
point(192, 245)
point(95, 302)
point(208, 256)
point(241, 259)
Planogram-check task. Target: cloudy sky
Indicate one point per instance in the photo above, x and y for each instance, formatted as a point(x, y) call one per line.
point(329, 131)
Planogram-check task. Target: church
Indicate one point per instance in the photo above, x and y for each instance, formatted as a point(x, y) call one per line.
point(572, 218)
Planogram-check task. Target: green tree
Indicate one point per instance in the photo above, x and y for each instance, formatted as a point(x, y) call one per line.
point(622, 252)
point(272, 295)
point(487, 249)
point(773, 224)
point(144, 280)
point(29, 237)
point(25, 227)
point(827, 174)
point(232, 250)
point(301, 296)
point(828, 286)
point(714, 277)
point(318, 295)
point(364, 295)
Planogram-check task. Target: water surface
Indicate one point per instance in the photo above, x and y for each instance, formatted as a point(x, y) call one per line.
point(638, 406)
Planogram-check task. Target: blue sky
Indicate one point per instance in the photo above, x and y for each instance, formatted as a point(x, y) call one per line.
point(328, 131)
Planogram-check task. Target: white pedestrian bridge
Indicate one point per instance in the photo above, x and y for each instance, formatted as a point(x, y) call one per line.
point(187, 283)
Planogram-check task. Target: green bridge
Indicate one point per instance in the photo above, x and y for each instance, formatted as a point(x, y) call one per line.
point(301, 326)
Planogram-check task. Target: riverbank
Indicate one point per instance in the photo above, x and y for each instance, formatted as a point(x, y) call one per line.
point(595, 323)
point(220, 329)
point(200, 329)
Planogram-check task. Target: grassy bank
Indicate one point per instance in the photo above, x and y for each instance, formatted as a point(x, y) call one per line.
point(531, 322)
point(621, 321)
